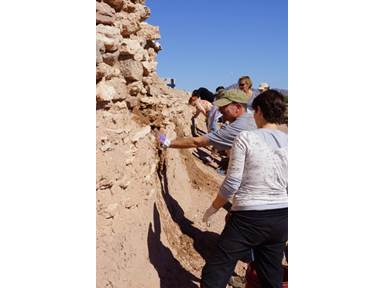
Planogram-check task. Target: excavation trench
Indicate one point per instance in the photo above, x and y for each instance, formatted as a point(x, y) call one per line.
point(186, 191)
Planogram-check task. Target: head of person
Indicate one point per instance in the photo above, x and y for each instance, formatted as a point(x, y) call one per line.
point(204, 94)
point(232, 104)
point(219, 88)
point(269, 107)
point(196, 93)
point(245, 83)
point(219, 92)
point(192, 100)
point(263, 87)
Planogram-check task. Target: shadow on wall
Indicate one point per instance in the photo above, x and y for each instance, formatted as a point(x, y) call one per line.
point(169, 269)
point(203, 241)
point(170, 272)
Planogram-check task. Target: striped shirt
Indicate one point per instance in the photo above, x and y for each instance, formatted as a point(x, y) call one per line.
point(257, 176)
point(223, 138)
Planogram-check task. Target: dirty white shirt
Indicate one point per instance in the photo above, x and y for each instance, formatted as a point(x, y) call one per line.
point(257, 176)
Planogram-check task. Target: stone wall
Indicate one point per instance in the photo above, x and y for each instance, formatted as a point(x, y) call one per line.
point(126, 51)
point(132, 104)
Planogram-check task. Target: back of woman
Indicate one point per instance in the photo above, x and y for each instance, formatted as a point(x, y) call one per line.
point(257, 184)
point(264, 178)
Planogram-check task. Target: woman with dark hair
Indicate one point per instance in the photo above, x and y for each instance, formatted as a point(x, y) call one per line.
point(205, 97)
point(204, 94)
point(208, 110)
point(256, 182)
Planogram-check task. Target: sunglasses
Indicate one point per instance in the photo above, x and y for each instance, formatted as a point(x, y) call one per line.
point(241, 84)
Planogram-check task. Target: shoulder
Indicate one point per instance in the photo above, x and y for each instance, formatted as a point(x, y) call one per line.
point(207, 103)
point(245, 122)
point(247, 137)
point(245, 117)
point(245, 134)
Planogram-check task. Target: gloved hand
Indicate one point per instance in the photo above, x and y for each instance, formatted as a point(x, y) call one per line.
point(208, 214)
point(164, 141)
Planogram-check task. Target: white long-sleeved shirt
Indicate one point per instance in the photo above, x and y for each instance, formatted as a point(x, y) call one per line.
point(257, 176)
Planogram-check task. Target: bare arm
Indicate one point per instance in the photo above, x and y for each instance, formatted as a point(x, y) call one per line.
point(200, 108)
point(189, 142)
point(197, 113)
point(219, 202)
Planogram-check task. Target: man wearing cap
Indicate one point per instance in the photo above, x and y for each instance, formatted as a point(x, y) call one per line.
point(233, 105)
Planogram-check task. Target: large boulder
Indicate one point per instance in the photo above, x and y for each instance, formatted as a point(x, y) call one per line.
point(110, 44)
point(105, 14)
point(106, 71)
point(111, 58)
point(105, 92)
point(113, 89)
point(142, 12)
point(132, 70)
point(149, 32)
point(120, 88)
point(149, 67)
point(132, 48)
point(129, 7)
point(136, 88)
point(117, 4)
point(108, 31)
point(100, 50)
point(127, 23)
point(109, 36)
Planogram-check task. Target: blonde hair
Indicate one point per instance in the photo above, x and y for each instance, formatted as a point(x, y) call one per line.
point(247, 79)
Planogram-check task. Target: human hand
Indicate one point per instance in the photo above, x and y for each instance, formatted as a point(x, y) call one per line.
point(164, 141)
point(208, 214)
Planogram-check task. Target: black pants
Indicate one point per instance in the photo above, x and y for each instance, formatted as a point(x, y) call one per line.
point(265, 232)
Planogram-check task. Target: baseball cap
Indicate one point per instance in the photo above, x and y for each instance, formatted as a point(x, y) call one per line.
point(263, 86)
point(231, 95)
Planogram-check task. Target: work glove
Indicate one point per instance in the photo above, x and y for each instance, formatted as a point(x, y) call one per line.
point(208, 215)
point(164, 141)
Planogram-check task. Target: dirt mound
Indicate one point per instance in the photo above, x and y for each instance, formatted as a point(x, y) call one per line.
point(149, 207)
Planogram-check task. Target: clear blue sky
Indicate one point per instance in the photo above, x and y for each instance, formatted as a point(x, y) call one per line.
point(214, 42)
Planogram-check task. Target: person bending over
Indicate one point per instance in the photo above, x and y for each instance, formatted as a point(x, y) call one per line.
point(206, 108)
point(232, 105)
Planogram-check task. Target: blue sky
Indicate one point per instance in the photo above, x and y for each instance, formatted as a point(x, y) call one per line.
point(211, 43)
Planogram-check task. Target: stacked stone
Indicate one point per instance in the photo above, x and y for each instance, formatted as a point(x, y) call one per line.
point(126, 51)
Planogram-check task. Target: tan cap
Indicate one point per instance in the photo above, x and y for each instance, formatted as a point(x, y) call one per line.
point(231, 95)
